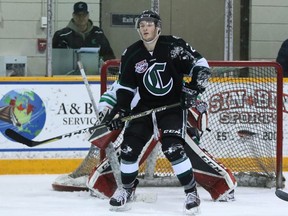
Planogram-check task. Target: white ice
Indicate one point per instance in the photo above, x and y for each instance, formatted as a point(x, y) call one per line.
point(32, 195)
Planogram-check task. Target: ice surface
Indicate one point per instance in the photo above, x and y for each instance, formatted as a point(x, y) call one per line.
point(32, 195)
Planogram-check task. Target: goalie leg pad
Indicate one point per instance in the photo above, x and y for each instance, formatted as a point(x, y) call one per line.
point(101, 181)
point(104, 137)
point(105, 186)
point(215, 185)
point(67, 183)
point(210, 173)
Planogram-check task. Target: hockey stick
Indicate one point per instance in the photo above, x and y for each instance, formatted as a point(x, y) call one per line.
point(80, 65)
point(110, 152)
point(139, 115)
point(31, 143)
point(281, 194)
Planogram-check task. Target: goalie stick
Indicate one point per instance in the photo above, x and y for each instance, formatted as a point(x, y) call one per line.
point(281, 194)
point(82, 71)
point(32, 143)
point(110, 152)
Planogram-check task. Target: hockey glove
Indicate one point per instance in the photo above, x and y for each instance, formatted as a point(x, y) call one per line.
point(113, 120)
point(188, 97)
point(200, 78)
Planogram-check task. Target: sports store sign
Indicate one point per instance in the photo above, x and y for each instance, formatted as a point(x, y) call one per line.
point(242, 106)
point(243, 111)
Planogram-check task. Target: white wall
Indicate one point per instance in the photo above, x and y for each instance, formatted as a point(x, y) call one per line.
point(268, 28)
point(20, 27)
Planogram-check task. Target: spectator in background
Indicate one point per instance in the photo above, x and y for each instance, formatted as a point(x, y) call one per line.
point(282, 57)
point(80, 32)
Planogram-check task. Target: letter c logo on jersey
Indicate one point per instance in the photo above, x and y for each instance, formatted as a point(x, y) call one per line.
point(153, 81)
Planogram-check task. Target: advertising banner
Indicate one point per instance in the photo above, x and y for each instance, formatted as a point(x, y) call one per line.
point(43, 109)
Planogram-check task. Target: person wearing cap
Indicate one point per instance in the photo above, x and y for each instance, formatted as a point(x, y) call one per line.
point(80, 32)
point(155, 66)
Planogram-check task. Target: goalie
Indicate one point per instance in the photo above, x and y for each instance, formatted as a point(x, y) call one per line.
point(209, 173)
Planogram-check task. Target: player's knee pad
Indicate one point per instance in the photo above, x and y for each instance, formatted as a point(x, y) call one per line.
point(131, 148)
point(172, 148)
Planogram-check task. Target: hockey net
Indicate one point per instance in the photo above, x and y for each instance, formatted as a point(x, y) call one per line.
point(245, 119)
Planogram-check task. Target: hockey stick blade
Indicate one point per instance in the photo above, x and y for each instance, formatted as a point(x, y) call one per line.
point(281, 194)
point(32, 143)
point(19, 138)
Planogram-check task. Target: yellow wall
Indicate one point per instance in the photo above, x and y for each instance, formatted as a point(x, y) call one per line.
point(38, 166)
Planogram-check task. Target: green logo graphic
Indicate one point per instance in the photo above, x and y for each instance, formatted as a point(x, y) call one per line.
point(153, 80)
point(23, 111)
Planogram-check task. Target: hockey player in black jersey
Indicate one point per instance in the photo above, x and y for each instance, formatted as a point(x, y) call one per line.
point(156, 65)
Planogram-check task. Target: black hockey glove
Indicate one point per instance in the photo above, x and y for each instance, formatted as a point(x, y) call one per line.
point(113, 120)
point(188, 97)
point(200, 78)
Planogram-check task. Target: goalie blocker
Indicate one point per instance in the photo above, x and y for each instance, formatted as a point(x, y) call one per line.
point(209, 173)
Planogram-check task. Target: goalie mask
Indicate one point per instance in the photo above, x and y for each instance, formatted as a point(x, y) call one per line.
point(149, 16)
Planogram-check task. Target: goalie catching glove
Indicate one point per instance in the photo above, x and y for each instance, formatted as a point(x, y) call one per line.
point(198, 117)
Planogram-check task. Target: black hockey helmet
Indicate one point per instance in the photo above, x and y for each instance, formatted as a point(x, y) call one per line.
point(150, 16)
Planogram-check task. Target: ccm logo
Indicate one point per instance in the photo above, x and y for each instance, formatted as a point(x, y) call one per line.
point(212, 164)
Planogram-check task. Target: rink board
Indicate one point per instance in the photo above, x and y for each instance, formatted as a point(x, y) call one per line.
point(61, 96)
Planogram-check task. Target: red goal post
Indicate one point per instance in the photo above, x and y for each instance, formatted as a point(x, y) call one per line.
point(245, 101)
